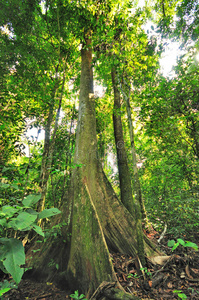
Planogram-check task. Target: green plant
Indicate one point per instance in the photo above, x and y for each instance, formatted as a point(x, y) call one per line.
point(180, 294)
point(77, 296)
point(174, 245)
point(23, 217)
point(54, 232)
point(193, 290)
point(130, 275)
point(146, 271)
point(5, 286)
point(20, 217)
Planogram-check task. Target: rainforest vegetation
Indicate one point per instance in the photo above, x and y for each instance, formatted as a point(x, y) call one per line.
point(99, 151)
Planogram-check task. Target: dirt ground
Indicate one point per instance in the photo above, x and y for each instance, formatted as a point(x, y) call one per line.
point(174, 277)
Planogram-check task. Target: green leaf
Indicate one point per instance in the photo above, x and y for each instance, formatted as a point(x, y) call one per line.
point(46, 213)
point(34, 251)
point(14, 186)
point(30, 200)
point(38, 230)
point(4, 291)
point(2, 266)
point(3, 222)
point(182, 296)
point(8, 211)
point(181, 242)
point(171, 243)
point(7, 284)
point(23, 221)
point(175, 246)
point(192, 245)
point(14, 257)
point(5, 185)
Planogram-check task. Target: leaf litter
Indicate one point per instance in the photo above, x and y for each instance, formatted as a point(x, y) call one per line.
point(174, 276)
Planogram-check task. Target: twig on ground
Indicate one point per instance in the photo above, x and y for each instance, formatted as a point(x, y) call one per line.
point(163, 233)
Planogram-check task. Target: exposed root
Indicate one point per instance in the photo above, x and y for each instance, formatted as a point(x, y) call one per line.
point(109, 291)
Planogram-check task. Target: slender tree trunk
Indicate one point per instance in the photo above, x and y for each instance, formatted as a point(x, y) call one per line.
point(67, 171)
point(124, 174)
point(123, 168)
point(193, 133)
point(44, 174)
point(136, 186)
point(48, 150)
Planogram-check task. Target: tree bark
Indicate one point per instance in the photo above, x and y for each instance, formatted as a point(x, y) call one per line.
point(44, 174)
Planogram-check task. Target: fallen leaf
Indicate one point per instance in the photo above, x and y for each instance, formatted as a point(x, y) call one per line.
point(187, 272)
point(170, 285)
point(196, 271)
point(150, 283)
point(160, 260)
point(182, 275)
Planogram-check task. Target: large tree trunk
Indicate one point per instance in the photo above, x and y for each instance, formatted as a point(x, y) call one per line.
point(89, 263)
point(100, 222)
point(99, 219)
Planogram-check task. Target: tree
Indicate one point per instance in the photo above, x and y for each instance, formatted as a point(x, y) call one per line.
point(99, 221)
point(133, 205)
point(131, 59)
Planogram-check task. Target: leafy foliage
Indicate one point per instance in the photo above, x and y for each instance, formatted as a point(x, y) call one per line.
point(169, 118)
point(5, 286)
point(77, 296)
point(12, 257)
point(20, 217)
point(174, 245)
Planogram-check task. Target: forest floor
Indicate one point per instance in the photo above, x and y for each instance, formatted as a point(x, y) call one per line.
point(174, 277)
